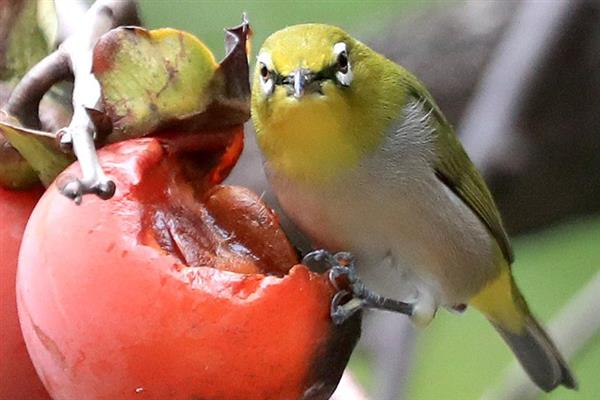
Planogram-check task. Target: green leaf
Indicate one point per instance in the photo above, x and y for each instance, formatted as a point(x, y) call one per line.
point(168, 79)
point(27, 34)
point(38, 148)
point(15, 171)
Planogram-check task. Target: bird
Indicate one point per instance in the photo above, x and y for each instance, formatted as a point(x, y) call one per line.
point(362, 160)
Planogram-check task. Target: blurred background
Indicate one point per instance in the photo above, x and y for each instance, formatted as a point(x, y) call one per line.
point(521, 82)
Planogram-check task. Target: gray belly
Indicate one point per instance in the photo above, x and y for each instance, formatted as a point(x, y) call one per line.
point(409, 232)
point(408, 237)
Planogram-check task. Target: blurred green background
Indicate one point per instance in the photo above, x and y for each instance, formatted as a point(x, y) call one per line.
point(457, 357)
point(206, 19)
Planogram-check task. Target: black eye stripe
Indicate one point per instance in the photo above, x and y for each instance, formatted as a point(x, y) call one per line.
point(327, 73)
point(282, 80)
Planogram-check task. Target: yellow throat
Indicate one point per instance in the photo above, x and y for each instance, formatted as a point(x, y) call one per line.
point(311, 138)
point(316, 136)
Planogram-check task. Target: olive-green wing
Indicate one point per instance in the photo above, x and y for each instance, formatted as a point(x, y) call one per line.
point(454, 168)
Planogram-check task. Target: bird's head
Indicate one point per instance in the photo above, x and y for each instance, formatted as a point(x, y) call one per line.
point(320, 100)
point(304, 61)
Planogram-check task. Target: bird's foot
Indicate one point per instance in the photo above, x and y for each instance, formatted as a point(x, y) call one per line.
point(343, 274)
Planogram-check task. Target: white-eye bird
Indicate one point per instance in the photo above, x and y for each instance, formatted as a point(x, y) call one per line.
point(361, 159)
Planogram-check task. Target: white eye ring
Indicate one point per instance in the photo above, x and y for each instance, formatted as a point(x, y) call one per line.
point(266, 81)
point(344, 76)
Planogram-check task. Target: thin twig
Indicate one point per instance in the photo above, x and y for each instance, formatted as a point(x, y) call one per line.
point(69, 13)
point(100, 18)
point(74, 58)
point(25, 99)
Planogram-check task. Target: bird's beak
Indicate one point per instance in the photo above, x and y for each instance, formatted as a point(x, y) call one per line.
point(302, 78)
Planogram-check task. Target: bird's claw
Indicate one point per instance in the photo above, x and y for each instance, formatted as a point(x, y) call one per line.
point(339, 264)
point(335, 273)
point(342, 309)
point(342, 267)
point(318, 260)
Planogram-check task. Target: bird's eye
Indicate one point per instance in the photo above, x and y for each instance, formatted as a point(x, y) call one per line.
point(264, 72)
point(343, 73)
point(266, 80)
point(342, 62)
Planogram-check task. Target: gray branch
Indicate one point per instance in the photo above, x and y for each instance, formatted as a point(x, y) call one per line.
point(25, 99)
point(74, 58)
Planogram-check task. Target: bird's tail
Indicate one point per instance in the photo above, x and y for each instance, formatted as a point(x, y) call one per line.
point(504, 306)
point(538, 355)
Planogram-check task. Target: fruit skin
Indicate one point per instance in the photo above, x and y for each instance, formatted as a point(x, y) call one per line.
point(108, 314)
point(18, 379)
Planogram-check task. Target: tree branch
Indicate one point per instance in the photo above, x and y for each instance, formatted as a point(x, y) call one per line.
point(74, 58)
point(25, 99)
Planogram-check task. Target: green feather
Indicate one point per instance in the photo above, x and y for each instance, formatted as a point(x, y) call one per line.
point(454, 168)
